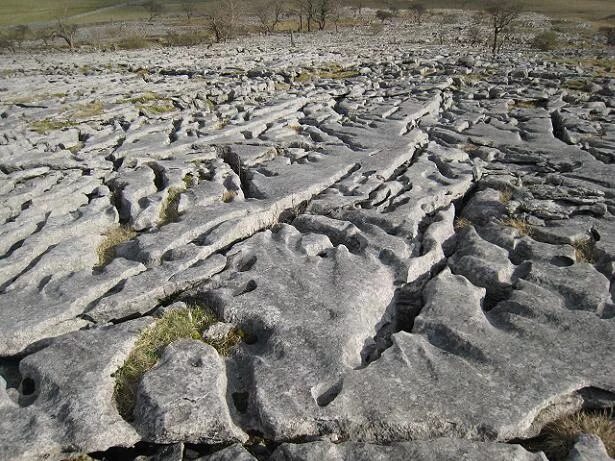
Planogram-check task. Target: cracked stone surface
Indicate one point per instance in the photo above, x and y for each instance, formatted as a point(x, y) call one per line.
point(420, 257)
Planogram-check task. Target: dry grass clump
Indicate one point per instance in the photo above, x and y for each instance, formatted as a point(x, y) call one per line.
point(584, 250)
point(163, 107)
point(506, 196)
point(338, 74)
point(576, 84)
point(133, 42)
point(521, 225)
point(113, 237)
point(46, 125)
point(461, 223)
point(526, 104)
point(90, 109)
point(146, 97)
point(229, 196)
point(176, 324)
point(557, 438)
point(169, 212)
point(226, 344)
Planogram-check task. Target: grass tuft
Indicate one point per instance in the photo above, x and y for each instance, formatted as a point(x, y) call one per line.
point(521, 225)
point(163, 107)
point(584, 250)
point(88, 110)
point(169, 212)
point(113, 237)
point(506, 196)
point(229, 196)
point(48, 124)
point(187, 323)
point(225, 345)
point(461, 223)
point(557, 438)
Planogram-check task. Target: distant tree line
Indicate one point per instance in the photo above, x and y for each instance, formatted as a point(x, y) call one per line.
point(224, 19)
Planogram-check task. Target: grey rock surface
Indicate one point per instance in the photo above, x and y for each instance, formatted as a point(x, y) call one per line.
point(63, 407)
point(417, 258)
point(588, 447)
point(440, 449)
point(184, 398)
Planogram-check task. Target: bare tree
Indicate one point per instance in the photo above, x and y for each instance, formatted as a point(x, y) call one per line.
point(609, 35)
point(64, 30)
point(310, 12)
point(223, 20)
point(501, 14)
point(298, 10)
point(358, 7)
point(21, 33)
point(154, 8)
point(7, 42)
point(384, 15)
point(337, 9)
point(44, 35)
point(323, 9)
point(418, 10)
point(67, 32)
point(188, 8)
point(269, 14)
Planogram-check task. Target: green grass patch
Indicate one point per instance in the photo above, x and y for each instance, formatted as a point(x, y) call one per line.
point(162, 107)
point(150, 103)
point(145, 98)
point(176, 324)
point(47, 125)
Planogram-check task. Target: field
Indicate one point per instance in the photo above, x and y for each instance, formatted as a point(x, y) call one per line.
point(13, 12)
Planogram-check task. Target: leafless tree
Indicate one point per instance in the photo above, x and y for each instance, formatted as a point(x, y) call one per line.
point(64, 30)
point(67, 32)
point(609, 35)
point(44, 35)
point(418, 10)
point(269, 13)
point(501, 14)
point(323, 10)
point(154, 8)
point(188, 8)
point(7, 42)
point(223, 20)
point(337, 9)
point(357, 6)
point(384, 15)
point(21, 33)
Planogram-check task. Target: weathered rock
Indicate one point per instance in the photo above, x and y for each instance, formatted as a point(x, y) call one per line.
point(455, 348)
point(233, 453)
point(68, 408)
point(440, 449)
point(195, 411)
point(588, 447)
